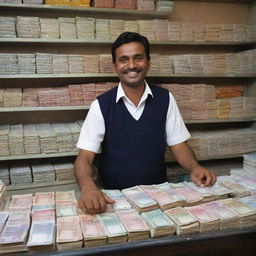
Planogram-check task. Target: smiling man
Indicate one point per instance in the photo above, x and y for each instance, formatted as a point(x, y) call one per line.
point(132, 124)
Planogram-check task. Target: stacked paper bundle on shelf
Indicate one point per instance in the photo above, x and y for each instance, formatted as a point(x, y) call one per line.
point(104, 87)
point(251, 33)
point(237, 189)
point(220, 63)
point(147, 29)
point(139, 199)
point(240, 32)
point(180, 64)
point(4, 140)
point(249, 106)
point(14, 235)
point(174, 31)
point(7, 27)
point(228, 218)
point(69, 234)
point(64, 137)
point(76, 95)
point(177, 200)
point(84, 3)
point(27, 63)
point(75, 129)
point(21, 202)
point(16, 143)
point(116, 27)
point(33, 1)
point(12, 97)
point(247, 214)
point(1, 97)
point(195, 64)
point(28, 27)
point(224, 108)
point(131, 25)
point(166, 66)
point(146, 5)
point(89, 93)
point(158, 223)
point(208, 63)
point(66, 203)
point(85, 28)
point(207, 220)
point(164, 200)
point(43, 201)
point(43, 172)
point(31, 139)
point(75, 63)
point(232, 61)
point(44, 63)
point(3, 218)
point(164, 6)
point(62, 96)
point(120, 201)
point(207, 194)
point(186, 32)
point(46, 97)
point(134, 224)
point(67, 28)
point(200, 30)
point(3, 199)
point(213, 32)
point(43, 226)
point(104, 3)
point(102, 29)
point(11, 1)
point(114, 228)
point(64, 171)
point(237, 107)
point(65, 197)
point(251, 54)
point(93, 231)
point(161, 26)
point(20, 174)
point(249, 163)
point(4, 175)
point(60, 64)
point(185, 222)
point(47, 138)
point(229, 91)
point(129, 4)
point(29, 97)
point(227, 32)
point(155, 63)
point(49, 28)
point(91, 64)
point(8, 64)
point(105, 63)
point(249, 201)
point(191, 196)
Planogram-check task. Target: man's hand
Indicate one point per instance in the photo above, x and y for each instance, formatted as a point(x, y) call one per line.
point(202, 177)
point(94, 201)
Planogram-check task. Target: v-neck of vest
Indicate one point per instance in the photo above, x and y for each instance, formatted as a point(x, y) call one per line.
point(142, 114)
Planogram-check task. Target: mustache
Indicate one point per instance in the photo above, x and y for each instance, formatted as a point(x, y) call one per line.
point(126, 71)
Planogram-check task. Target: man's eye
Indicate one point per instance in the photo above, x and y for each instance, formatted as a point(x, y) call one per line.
point(123, 60)
point(139, 58)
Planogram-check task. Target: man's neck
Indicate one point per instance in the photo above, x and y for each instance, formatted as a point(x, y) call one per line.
point(134, 94)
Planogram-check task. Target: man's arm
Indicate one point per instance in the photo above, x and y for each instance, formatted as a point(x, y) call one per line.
point(91, 198)
point(186, 158)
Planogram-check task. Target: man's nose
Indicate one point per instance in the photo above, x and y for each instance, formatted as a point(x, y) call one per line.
point(132, 64)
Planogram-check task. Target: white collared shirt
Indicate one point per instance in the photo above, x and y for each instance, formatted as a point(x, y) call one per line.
point(93, 129)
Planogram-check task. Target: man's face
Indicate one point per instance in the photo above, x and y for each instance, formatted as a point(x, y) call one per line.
point(131, 64)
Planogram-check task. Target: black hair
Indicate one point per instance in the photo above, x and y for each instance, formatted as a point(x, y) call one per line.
point(128, 37)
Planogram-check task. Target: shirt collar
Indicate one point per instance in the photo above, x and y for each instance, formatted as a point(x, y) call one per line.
point(121, 94)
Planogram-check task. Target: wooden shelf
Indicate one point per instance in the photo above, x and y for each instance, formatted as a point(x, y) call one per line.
point(113, 75)
point(34, 109)
point(107, 42)
point(38, 156)
point(222, 1)
point(84, 11)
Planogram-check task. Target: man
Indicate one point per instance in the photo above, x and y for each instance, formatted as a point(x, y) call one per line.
point(132, 123)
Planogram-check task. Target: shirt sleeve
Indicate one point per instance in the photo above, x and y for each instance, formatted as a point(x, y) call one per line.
point(176, 131)
point(93, 129)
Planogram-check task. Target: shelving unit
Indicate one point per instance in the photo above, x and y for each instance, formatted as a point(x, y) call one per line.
point(187, 11)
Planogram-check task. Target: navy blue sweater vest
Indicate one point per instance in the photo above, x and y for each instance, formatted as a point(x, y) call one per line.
point(133, 151)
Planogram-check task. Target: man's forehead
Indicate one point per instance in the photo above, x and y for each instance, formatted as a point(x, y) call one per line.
point(132, 48)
